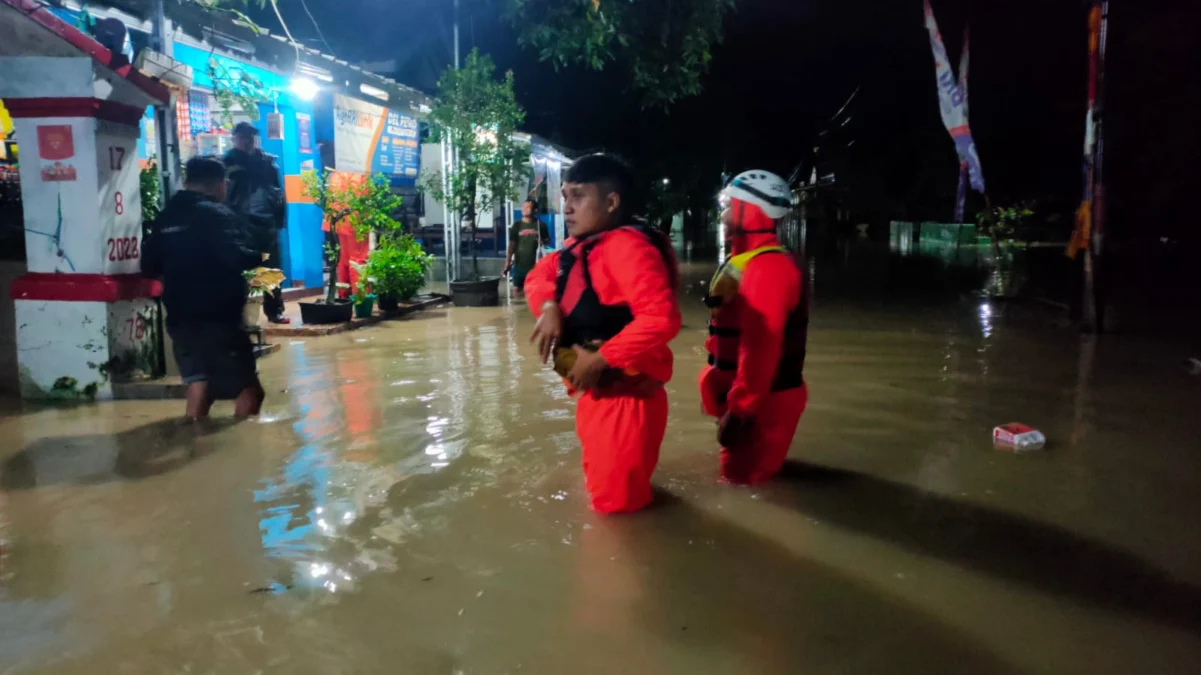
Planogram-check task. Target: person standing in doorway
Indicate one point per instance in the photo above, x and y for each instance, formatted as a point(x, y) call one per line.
point(525, 238)
point(759, 300)
point(200, 248)
point(256, 193)
point(607, 309)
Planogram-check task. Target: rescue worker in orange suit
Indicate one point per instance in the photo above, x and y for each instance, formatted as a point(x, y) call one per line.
point(759, 303)
point(606, 307)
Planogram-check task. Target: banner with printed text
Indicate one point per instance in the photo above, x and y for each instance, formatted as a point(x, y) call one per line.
point(952, 100)
point(371, 139)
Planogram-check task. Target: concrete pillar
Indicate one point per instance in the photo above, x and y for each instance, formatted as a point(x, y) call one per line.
point(83, 312)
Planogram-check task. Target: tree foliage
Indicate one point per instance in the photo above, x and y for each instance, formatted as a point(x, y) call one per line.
point(477, 115)
point(363, 206)
point(666, 45)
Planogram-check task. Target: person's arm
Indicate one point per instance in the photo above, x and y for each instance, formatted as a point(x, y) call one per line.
point(645, 283)
point(770, 289)
point(234, 247)
point(511, 250)
point(540, 285)
point(543, 234)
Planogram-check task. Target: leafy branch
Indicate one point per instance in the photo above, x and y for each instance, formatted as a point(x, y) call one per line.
point(235, 90)
point(350, 201)
point(477, 115)
point(666, 45)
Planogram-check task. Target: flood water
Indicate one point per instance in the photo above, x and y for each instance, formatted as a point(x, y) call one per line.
point(411, 502)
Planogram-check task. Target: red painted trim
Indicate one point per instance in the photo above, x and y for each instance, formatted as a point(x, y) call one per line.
point(24, 108)
point(35, 10)
point(84, 287)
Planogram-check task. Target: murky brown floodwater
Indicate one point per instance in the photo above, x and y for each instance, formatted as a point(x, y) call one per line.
point(411, 503)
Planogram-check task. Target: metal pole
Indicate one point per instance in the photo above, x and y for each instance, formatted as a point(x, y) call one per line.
point(164, 115)
point(456, 34)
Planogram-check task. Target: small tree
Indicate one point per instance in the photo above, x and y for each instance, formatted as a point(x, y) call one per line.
point(477, 116)
point(363, 206)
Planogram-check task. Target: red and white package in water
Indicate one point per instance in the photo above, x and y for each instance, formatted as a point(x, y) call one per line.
point(1018, 437)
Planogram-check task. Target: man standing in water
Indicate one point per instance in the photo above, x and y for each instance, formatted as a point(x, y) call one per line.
point(759, 299)
point(606, 307)
point(200, 248)
point(255, 194)
point(525, 238)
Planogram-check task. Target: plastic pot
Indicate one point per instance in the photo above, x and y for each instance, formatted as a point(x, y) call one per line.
point(320, 313)
point(252, 311)
point(483, 292)
point(362, 310)
point(388, 303)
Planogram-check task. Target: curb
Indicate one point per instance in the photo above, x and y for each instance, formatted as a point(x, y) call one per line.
point(274, 331)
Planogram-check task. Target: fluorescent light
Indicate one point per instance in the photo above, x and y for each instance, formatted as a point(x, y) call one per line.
point(304, 88)
point(374, 92)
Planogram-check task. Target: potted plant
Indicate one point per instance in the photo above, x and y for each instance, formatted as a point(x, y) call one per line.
point(363, 298)
point(259, 280)
point(397, 268)
point(477, 115)
point(348, 205)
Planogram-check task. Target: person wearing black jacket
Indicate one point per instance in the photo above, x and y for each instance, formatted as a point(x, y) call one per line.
point(200, 249)
point(256, 194)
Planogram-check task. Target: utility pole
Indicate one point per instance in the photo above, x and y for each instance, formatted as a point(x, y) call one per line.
point(164, 115)
point(452, 233)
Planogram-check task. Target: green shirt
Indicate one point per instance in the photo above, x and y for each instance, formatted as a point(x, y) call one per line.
point(525, 238)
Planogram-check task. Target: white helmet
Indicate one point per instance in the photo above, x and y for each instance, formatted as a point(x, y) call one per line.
point(763, 189)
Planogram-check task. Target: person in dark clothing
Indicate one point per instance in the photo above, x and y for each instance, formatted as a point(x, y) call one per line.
point(525, 238)
point(200, 249)
point(255, 193)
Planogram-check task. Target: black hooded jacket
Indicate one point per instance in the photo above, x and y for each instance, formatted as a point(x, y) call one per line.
point(200, 248)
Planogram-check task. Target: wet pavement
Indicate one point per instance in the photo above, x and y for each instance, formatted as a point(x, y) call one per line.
point(411, 502)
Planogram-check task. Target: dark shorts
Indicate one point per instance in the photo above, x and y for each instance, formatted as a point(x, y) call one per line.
point(219, 354)
point(517, 276)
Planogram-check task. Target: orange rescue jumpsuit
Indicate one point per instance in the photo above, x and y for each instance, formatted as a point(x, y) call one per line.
point(351, 248)
point(756, 351)
point(620, 433)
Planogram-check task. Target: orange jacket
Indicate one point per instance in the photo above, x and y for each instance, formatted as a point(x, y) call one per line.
point(770, 290)
point(626, 269)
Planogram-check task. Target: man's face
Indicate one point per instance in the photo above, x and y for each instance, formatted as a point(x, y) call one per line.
point(586, 210)
point(527, 211)
point(244, 142)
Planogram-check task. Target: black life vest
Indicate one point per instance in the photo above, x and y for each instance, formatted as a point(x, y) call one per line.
point(588, 320)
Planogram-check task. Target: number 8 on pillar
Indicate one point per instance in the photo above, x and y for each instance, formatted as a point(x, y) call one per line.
point(120, 208)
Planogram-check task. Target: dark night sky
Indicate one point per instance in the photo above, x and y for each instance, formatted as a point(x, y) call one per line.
point(785, 67)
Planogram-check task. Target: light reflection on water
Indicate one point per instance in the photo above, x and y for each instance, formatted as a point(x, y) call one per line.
point(420, 494)
point(311, 509)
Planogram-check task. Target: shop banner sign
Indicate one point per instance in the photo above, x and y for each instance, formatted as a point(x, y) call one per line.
point(371, 139)
point(952, 99)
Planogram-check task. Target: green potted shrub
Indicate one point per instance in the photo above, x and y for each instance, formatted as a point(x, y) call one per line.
point(363, 298)
point(397, 268)
point(364, 207)
point(259, 280)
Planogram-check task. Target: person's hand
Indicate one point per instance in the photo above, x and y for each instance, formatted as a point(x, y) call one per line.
point(508, 268)
point(733, 431)
point(588, 368)
point(548, 330)
point(265, 256)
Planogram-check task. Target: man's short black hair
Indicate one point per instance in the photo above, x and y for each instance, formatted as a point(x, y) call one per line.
point(245, 129)
point(608, 171)
point(204, 171)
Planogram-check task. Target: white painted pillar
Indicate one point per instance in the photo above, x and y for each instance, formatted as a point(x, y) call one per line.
point(83, 311)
